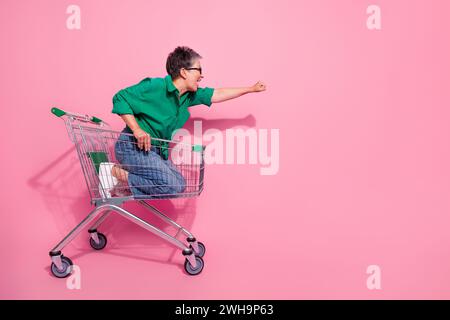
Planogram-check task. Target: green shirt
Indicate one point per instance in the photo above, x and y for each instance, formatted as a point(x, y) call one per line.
point(157, 106)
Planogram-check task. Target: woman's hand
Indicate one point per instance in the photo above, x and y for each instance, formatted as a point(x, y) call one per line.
point(143, 139)
point(259, 86)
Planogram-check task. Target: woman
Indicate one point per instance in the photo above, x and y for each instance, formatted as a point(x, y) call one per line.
point(157, 107)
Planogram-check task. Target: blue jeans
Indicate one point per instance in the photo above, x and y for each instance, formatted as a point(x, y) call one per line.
point(149, 175)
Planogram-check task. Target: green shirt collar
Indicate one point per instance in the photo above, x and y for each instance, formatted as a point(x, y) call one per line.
point(169, 84)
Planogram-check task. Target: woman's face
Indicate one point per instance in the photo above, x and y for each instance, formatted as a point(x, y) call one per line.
point(193, 76)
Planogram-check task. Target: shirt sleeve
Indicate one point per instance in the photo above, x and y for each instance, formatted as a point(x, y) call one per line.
point(202, 96)
point(120, 105)
point(123, 100)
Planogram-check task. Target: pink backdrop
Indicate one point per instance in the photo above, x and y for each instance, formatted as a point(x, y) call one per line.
point(364, 148)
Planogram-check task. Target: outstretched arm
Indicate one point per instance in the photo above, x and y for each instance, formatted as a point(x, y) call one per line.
point(224, 94)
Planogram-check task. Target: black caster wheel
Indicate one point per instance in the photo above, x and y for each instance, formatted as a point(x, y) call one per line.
point(67, 266)
point(194, 271)
point(201, 248)
point(101, 244)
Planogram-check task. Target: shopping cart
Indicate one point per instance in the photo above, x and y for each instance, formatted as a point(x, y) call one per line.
point(97, 145)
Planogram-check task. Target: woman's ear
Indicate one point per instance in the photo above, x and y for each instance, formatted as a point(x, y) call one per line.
point(183, 72)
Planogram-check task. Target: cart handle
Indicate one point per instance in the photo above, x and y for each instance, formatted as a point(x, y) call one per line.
point(59, 113)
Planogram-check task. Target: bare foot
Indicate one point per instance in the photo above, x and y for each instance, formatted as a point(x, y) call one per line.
point(120, 174)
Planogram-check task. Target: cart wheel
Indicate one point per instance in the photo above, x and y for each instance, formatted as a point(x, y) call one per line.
point(101, 244)
point(67, 265)
point(201, 248)
point(194, 271)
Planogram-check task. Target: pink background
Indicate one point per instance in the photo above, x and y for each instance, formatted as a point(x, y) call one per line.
point(364, 148)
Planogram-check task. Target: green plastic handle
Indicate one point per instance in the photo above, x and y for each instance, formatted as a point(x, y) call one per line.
point(58, 112)
point(96, 120)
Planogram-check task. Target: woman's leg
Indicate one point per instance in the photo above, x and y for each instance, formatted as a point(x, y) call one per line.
point(145, 171)
point(151, 175)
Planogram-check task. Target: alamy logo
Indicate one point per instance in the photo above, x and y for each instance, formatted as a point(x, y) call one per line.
point(74, 280)
point(73, 22)
point(236, 146)
point(374, 280)
point(374, 20)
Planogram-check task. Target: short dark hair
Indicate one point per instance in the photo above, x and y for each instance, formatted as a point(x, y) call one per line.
point(181, 57)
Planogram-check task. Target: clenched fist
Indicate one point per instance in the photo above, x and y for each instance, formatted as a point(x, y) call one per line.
point(259, 86)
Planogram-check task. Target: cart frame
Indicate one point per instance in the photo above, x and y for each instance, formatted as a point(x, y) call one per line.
point(84, 128)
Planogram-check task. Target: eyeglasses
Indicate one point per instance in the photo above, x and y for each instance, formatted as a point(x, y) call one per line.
point(199, 69)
